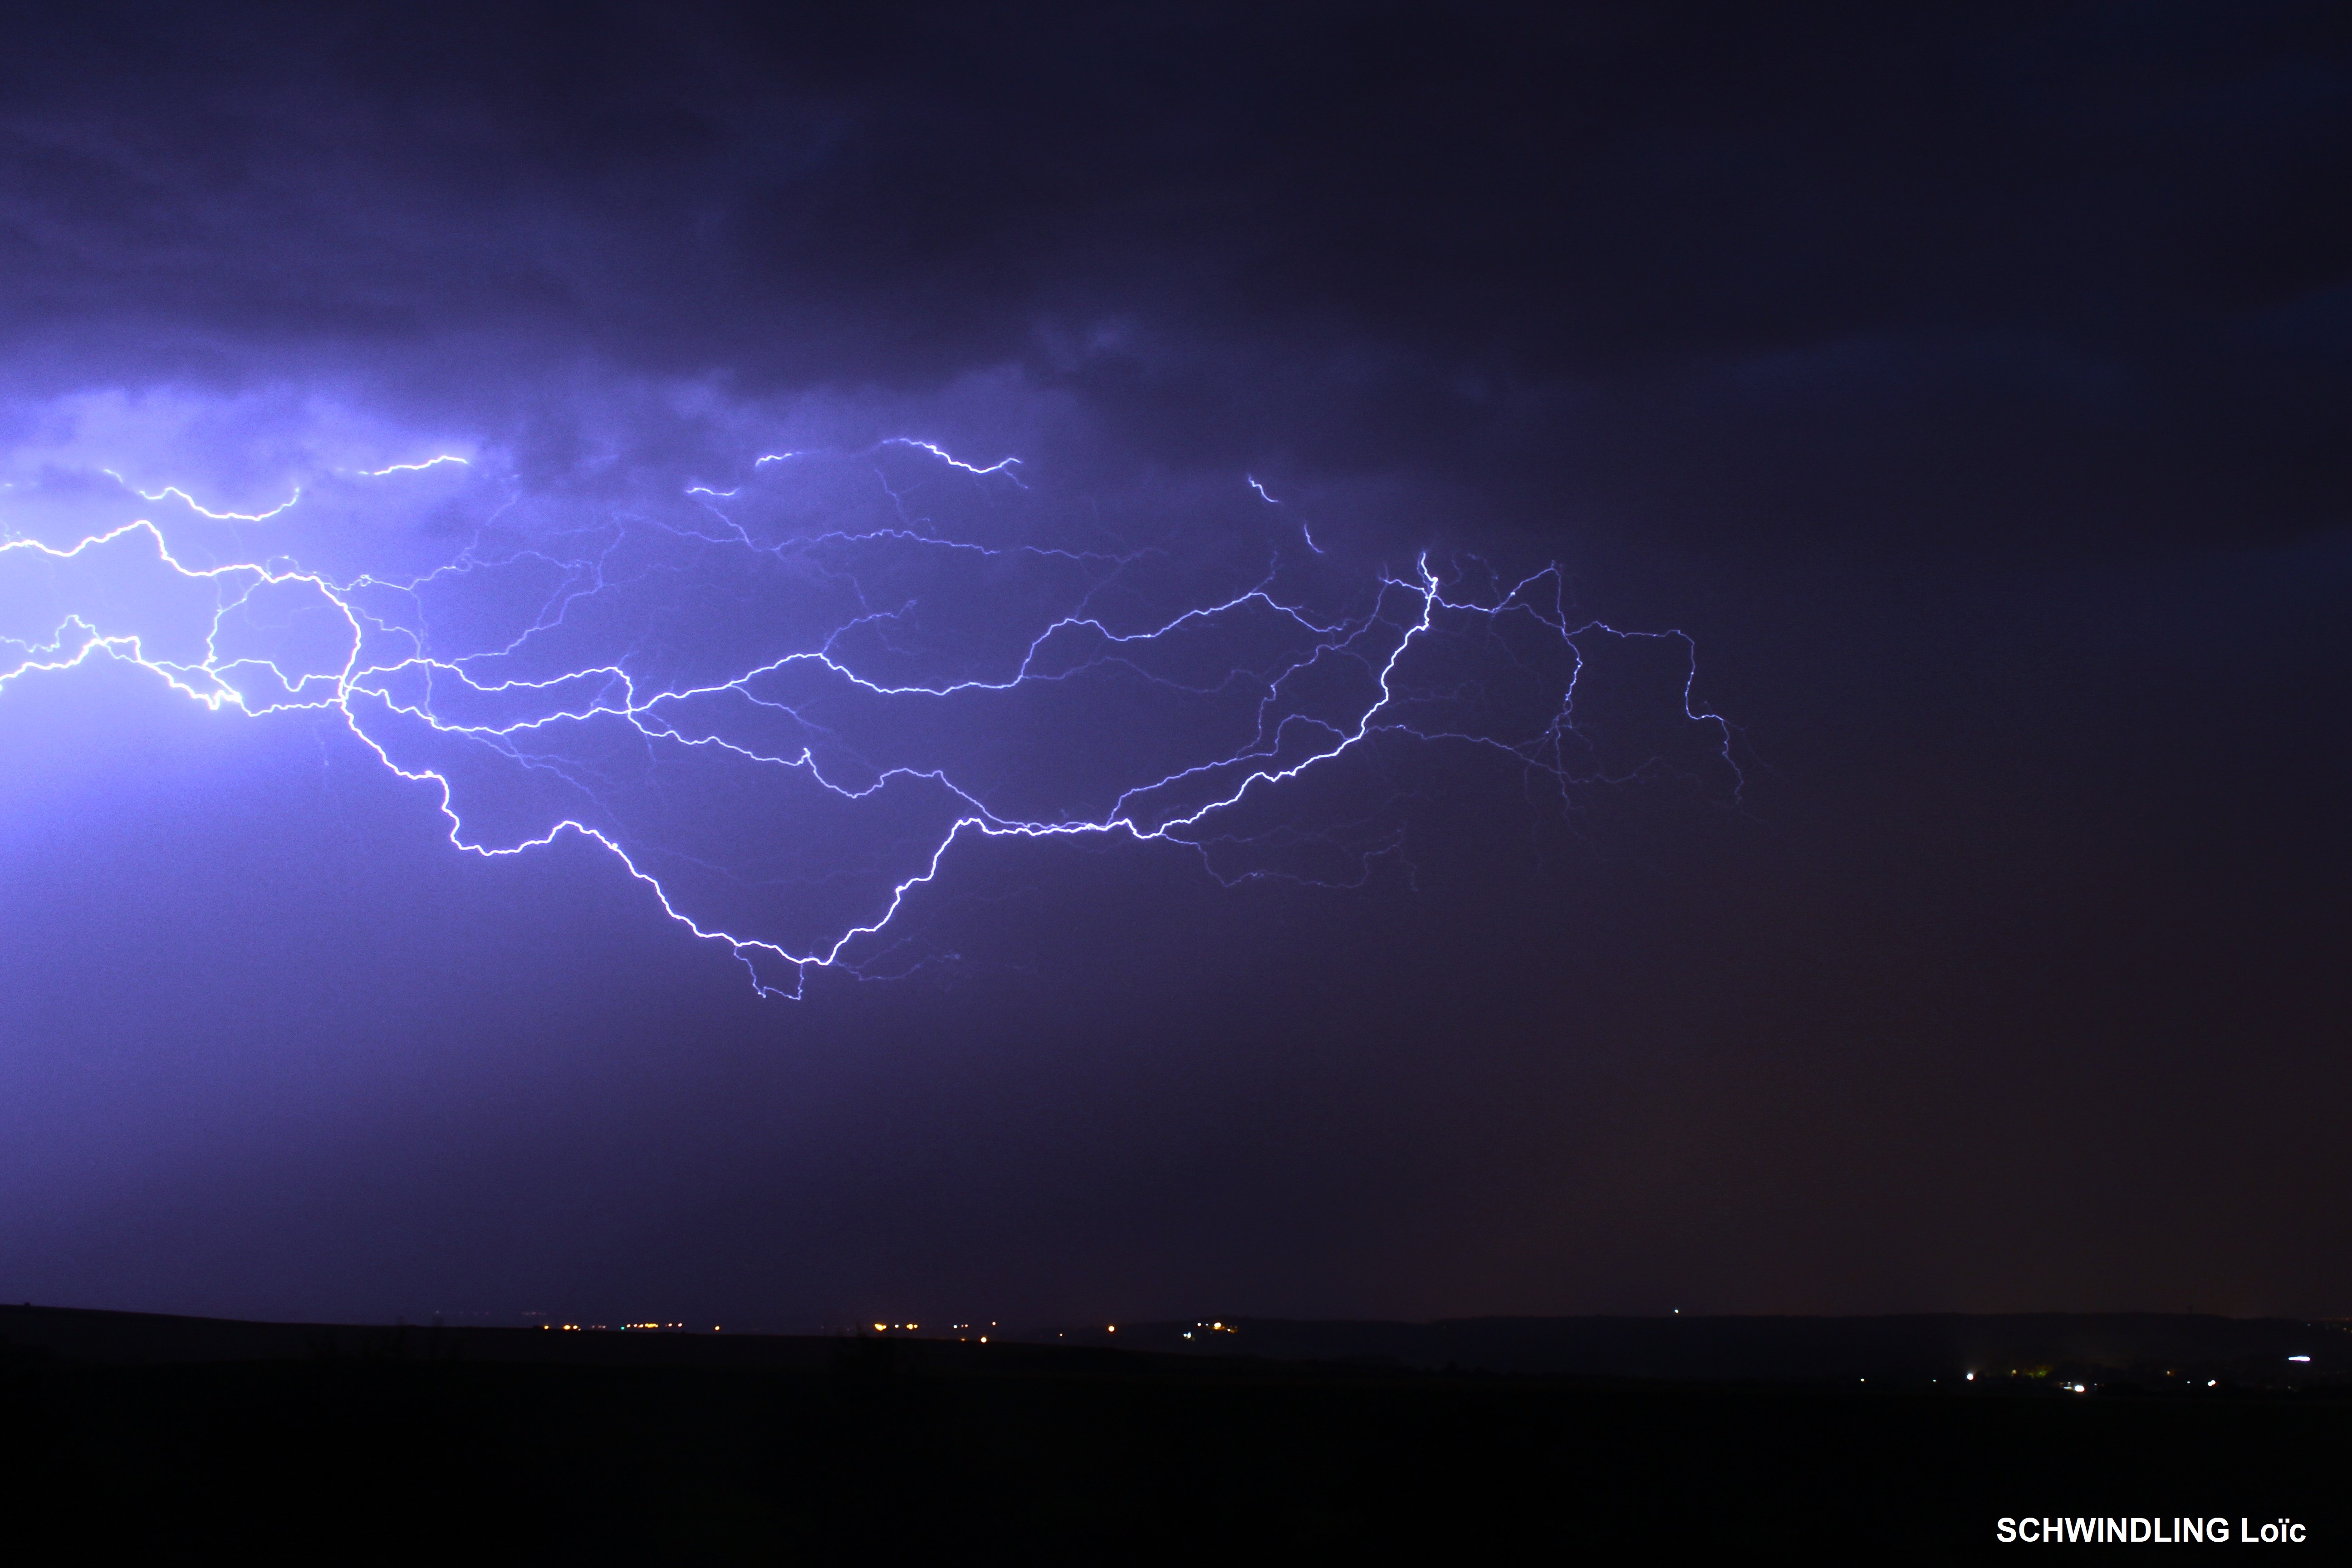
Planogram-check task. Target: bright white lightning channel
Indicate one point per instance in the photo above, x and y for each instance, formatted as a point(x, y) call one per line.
point(376, 661)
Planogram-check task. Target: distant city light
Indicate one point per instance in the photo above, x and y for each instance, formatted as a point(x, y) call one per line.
point(2298, 1358)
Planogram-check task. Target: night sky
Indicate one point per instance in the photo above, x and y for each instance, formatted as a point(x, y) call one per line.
point(1970, 384)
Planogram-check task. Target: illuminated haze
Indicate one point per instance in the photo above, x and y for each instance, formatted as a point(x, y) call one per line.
point(780, 700)
point(888, 667)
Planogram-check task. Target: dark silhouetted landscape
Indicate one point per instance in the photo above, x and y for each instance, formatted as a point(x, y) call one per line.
point(130, 1432)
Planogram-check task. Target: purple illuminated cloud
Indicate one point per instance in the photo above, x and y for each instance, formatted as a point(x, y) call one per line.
point(783, 697)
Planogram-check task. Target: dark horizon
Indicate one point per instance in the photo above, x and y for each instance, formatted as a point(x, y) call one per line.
point(2204, 1359)
point(1967, 383)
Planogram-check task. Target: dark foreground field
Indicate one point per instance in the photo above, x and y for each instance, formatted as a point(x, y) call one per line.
point(409, 1446)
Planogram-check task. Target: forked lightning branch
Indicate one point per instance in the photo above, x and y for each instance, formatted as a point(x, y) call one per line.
point(783, 704)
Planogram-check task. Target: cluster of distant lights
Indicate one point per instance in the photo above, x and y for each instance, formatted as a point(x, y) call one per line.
point(968, 1332)
point(2089, 1387)
point(964, 1332)
point(618, 1328)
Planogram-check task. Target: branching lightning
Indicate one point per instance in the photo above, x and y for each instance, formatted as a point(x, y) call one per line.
point(786, 731)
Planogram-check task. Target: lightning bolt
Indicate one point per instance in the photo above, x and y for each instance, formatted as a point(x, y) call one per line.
point(786, 731)
point(1304, 531)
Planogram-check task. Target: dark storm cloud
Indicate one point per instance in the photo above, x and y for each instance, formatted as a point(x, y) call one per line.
point(1722, 272)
